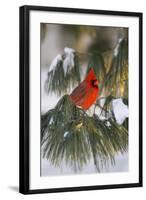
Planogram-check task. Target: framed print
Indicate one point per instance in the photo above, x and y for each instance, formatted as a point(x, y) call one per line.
point(80, 99)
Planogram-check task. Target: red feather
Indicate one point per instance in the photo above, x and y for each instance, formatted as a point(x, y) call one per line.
point(86, 93)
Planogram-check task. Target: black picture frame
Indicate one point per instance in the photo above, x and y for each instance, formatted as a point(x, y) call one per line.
point(25, 105)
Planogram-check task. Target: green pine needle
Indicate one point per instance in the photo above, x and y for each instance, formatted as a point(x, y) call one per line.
point(86, 137)
point(58, 82)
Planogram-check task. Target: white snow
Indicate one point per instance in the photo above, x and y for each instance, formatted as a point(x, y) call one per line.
point(51, 120)
point(103, 118)
point(68, 50)
point(68, 62)
point(108, 124)
point(117, 47)
point(120, 110)
point(65, 134)
point(54, 63)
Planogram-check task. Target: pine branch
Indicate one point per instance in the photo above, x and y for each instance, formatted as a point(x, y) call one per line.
point(60, 81)
point(117, 75)
point(69, 135)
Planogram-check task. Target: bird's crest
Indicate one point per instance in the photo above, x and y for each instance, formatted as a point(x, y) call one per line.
point(91, 75)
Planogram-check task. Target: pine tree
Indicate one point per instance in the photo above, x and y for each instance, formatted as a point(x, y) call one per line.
point(74, 136)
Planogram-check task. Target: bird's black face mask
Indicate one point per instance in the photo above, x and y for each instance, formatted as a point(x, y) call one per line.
point(94, 83)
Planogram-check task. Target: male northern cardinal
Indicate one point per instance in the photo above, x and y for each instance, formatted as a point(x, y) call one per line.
point(86, 93)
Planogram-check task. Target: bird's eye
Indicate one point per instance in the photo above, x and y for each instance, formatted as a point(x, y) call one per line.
point(94, 83)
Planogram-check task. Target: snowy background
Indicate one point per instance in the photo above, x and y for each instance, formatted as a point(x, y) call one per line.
point(54, 41)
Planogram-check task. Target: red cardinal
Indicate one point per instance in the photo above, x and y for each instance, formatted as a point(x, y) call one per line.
point(86, 93)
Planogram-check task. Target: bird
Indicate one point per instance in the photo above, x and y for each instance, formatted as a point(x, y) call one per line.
point(86, 93)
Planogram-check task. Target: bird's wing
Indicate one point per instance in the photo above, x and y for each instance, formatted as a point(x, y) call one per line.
point(79, 93)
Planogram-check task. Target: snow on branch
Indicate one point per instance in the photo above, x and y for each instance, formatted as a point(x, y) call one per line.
point(68, 62)
point(67, 59)
point(55, 62)
point(116, 49)
point(120, 110)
